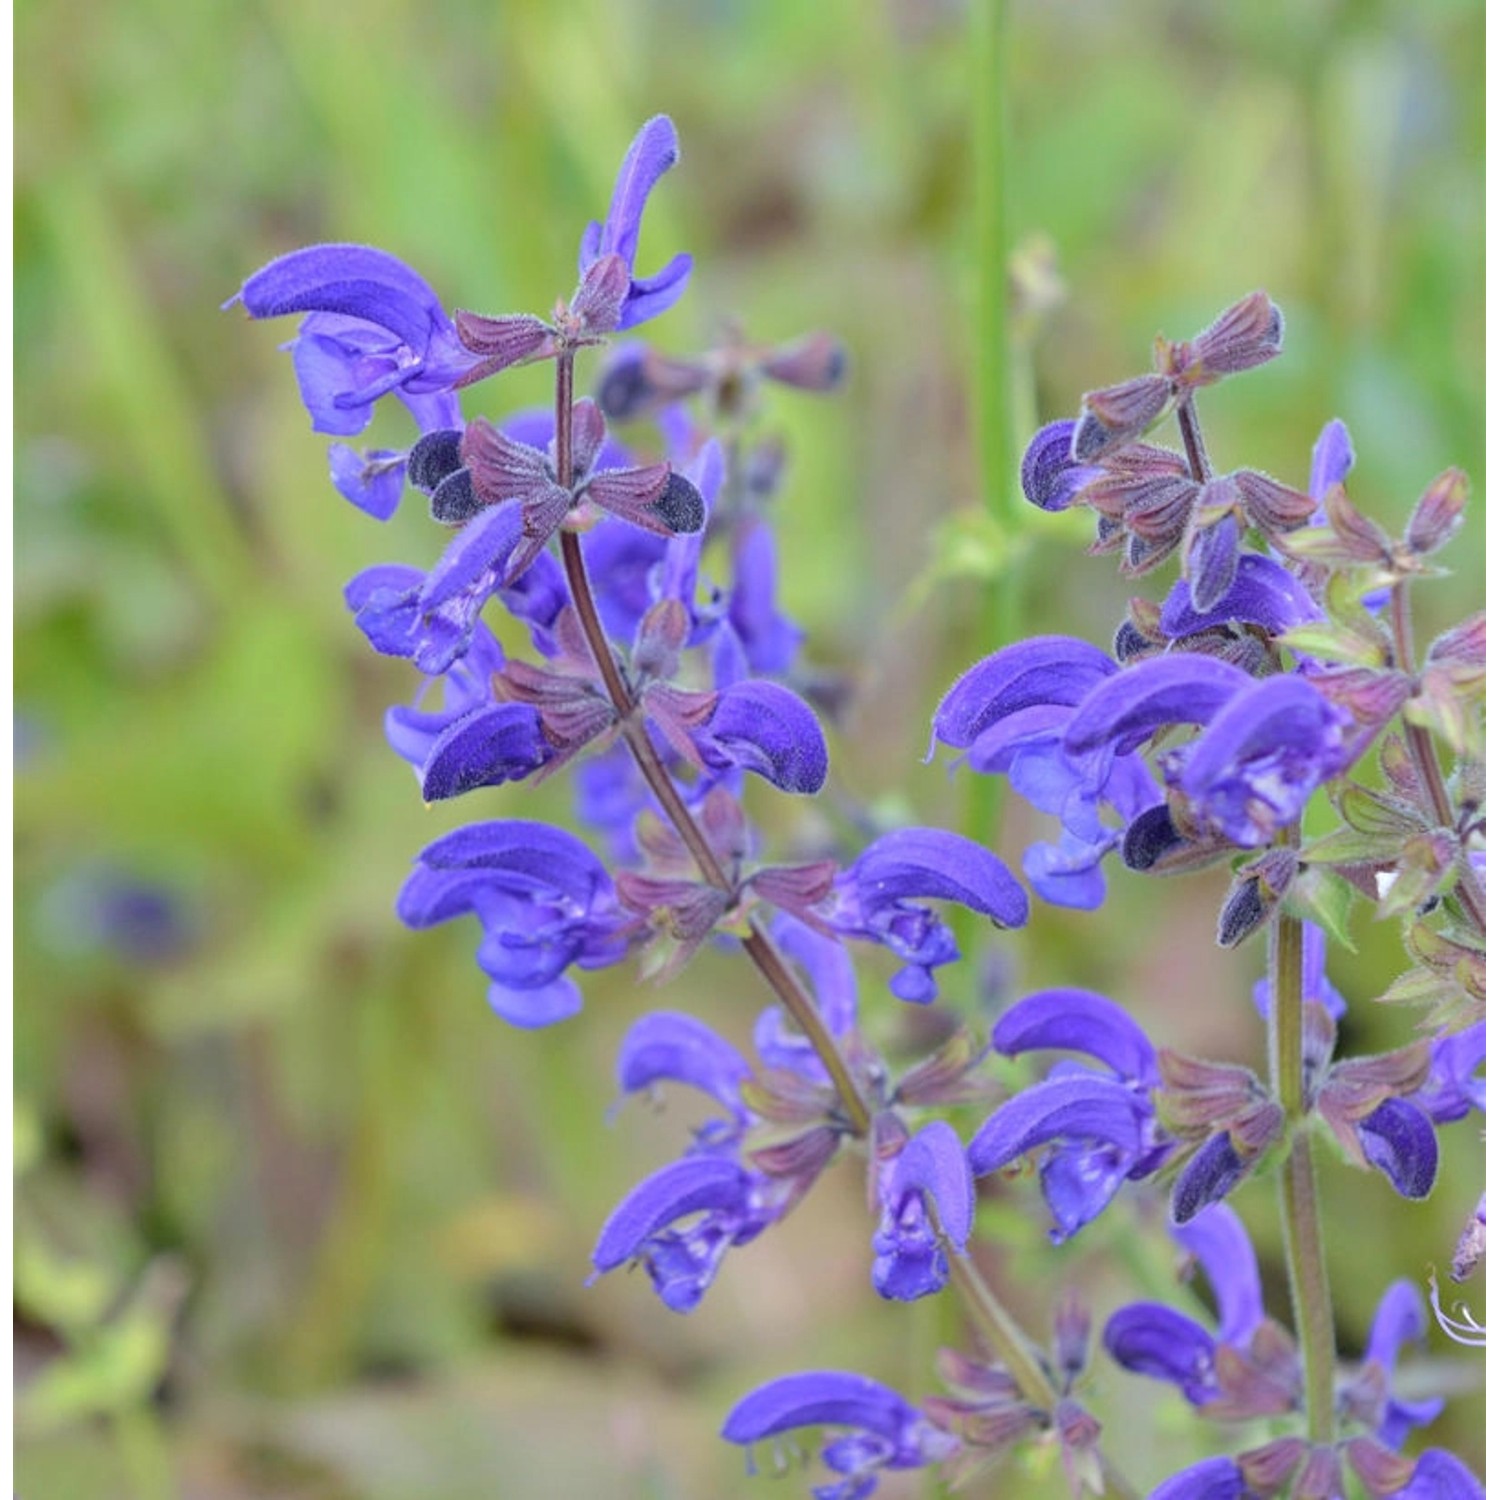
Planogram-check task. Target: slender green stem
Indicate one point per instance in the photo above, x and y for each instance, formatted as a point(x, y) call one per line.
point(1001, 596)
point(1424, 755)
point(1302, 1233)
point(1001, 1332)
point(145, 1457)
point(1312, 1304)
point(993, 416)
point(1286, 1017)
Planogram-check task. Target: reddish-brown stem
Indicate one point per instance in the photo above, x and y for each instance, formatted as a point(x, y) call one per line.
point(1424, 755)
point(1192, 441)
point(994, 1323)
point(762, 951)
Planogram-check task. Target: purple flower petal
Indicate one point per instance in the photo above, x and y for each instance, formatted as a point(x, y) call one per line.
point(1399, 1139)
point(1453, 1086)
point(835, 1398)
point(1074, 1107)
point(465, 576)
point(1149, 1339)
point(652, 153)
point(910, 1259)
point(667, 1045)
point(1263, 593)
point(766, 728)
point(523, 854)
point(1316, 988)
point(354, 280)
point(1332, 458)
point(1261, 758)
point(1128, 708)
point(1219, 1243)
point(1067, 874)
point(769, 639)
point(1400, 1319)
point(1213, 1171)
point(1073, 1020)
point(917, 863)
point(370, 481)
point(829, 968)
point(492, 744)
point(1440, 1476)
point(1045, 669)
point(650, 296)
point(1050, 476)
point(384, 602)
point(1213, 1479)
point(532, 1009)
point(696, 1184)
point(1212, 561)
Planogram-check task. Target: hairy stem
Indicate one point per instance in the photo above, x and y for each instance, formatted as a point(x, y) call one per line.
point(1286, 1017)
point(1192, 441)
point(1302, 1233)
point(762, 951)
point(1424, 754)
point(1312, 1305)
point(991, 413)
point(996, 1326)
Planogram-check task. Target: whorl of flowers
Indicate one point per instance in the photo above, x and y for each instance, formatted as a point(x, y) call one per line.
point(1280, 670)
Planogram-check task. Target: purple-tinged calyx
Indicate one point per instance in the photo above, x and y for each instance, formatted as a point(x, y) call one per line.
point(880, 1429)
point(502, 469)
point(1240, 338)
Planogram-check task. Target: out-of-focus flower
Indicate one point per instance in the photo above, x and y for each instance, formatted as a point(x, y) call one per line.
point(879, 1429)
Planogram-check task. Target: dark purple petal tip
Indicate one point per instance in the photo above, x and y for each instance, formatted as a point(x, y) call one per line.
point(766, 728)
point(1212, 1173)
point(1050, 476)
point(1399, 1140)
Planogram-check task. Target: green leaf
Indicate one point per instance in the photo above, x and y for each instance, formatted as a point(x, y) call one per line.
point(1375, 813)
point(1331, 642)
point(1349, 846)
point(1325, 897)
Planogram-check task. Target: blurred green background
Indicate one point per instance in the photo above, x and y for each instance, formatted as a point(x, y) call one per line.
point(296, 1216)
